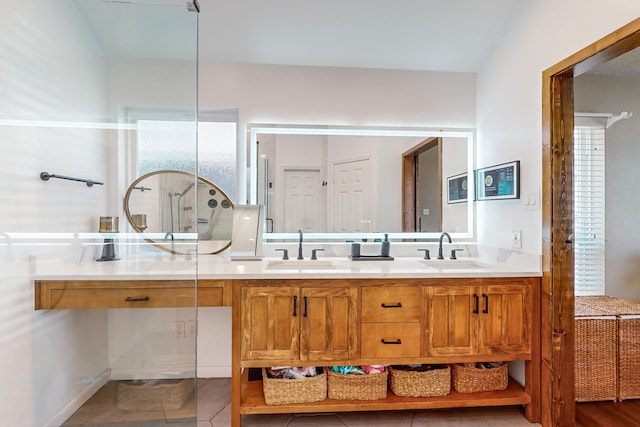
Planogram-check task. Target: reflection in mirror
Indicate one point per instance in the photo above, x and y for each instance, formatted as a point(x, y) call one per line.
point(357, 180)
point(171, 208)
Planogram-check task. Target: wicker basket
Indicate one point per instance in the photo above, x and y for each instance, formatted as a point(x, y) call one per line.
point(435, 382)
point(627, 340)
point(154, 395)
point(279, 391)
point(357, 387)
point(595, 358)
point(474, 380)
point(628, 357)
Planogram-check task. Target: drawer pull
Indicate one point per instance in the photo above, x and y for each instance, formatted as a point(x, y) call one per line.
point(132, 299)
point(398, 341)
point(486, 303)
point(476, 310)
point(305, 307)
point(295, 306)
point(396, 305)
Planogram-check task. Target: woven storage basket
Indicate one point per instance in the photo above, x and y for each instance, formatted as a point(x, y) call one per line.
point(357, 387)
point(596, 353)
point(435, 382)
point(154, 395)
point(474, 380)
point(628, 339)
point(279, 391)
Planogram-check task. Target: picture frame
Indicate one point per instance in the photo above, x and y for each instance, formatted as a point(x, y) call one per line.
point(457, 188)
point(498, 182)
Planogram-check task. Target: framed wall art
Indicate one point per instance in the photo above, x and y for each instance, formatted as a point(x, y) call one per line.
point(457, 188)
point(498, 182)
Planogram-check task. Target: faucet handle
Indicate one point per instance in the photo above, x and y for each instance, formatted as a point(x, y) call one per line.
point(313, 253)
point(426, 253)
point(285, 253)
point(453, 253)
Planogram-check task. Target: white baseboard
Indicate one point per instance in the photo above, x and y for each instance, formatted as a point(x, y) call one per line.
point(159, 374)
point(75, 404)
point(214, 371)
point(149, 374)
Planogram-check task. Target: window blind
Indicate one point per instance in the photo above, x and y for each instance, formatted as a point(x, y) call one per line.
point(589, 210)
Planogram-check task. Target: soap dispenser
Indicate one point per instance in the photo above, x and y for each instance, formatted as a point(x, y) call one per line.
point(386, 246)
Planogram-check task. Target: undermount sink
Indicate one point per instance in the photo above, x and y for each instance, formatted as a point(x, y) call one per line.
point(454, 264)
point(300, 265)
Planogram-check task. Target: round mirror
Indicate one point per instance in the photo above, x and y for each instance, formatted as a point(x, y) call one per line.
point(176, 210)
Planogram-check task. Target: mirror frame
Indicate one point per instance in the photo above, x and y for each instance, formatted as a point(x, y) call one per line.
point(253, 130)
point(192, 236)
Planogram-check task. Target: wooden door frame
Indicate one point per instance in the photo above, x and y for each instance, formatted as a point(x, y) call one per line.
point(409, 191)
point(557, 329)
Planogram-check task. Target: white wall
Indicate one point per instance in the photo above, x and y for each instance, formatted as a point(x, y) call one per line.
point(606, 94)
point(509, 95)
point(51, 69)
point(337, 96)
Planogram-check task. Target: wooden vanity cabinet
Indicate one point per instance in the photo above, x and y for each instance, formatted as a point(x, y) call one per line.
point(489, 320)
point(326, 322)
point(299, 324)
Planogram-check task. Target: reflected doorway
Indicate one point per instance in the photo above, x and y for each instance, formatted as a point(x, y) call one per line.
point(303, 201)
point(422, 187)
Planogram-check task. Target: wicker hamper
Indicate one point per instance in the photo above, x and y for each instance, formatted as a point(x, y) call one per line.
point(357, 387)
point(474, 380)
point(154, 395)
point(628, 340)
point(279, 391)
point(411, 383)
point(595, 355)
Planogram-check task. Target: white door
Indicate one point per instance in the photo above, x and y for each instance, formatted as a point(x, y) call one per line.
point(352, 203)
point(303, 201)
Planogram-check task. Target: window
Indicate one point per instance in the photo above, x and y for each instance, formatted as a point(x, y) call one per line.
point(163, 144)
point(589, 210)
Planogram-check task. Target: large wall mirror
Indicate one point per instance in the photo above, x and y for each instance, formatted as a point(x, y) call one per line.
point(346, 183)
point(176, 210)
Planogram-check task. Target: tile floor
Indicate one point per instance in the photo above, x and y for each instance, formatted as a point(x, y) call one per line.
point(213, 410)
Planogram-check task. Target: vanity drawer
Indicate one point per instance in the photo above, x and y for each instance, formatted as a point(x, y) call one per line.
point(390, 340)
point(391, 304)
point(122, 298)
point(62, 294)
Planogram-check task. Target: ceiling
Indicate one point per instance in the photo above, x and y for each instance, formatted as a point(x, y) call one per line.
point(438, 35)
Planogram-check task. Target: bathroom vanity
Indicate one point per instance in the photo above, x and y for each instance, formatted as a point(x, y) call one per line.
point(338, 312)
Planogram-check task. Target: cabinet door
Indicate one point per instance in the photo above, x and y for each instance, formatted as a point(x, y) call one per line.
point(505, 311)
point(451, 326)
point(329, 324)
point(270, 325)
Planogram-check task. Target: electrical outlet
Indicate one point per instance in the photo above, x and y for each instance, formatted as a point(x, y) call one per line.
point(516, 239)
point(180, 329)
point(191, 328)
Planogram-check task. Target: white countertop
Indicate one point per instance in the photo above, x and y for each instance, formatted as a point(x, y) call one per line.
point(221, 267)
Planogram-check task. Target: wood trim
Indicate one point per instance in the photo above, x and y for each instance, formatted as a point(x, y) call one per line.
point(607, 48)
point(557, 298)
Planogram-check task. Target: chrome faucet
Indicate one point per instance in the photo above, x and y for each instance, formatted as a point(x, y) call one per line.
point(168, 236)
point(300, 245)
point(440, 245)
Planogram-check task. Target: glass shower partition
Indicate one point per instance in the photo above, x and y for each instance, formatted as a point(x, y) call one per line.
point(97, 322)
